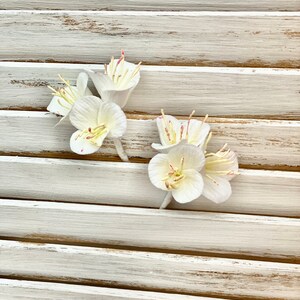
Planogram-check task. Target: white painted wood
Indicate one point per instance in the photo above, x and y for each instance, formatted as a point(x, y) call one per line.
point(233, 234)
point(255, 141)
point(127, 184)
point(186, 38)
point(178, 273)
point(179, 90)
point(197, 5)
point(30, 290)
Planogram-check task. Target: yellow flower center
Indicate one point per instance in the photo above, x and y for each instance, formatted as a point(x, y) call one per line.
point(172, 133)
point(221, 164)
point(93, 134)
point(67, 93)
point(174, 176)
point(120, 75)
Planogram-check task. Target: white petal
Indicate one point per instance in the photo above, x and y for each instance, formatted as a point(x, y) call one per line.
point(225, 162)
point(216, 189)
point(80, 145)
point(158, 169)
point(81, 84)
point(190, 188)
point(193, 157)
point(119, 97)
point(84, 113)
point(198, 132)
point(165, 149)
point(88, 92)
point(113, 117)
point(161, 123)
point(120, 70)
point(101, 81)
point(59, 106)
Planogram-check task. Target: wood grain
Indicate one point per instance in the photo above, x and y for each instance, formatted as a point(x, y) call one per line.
point(30, 290)
point(249, 39)
point(254, 191)
point(215, 91)
point(155, 271)
point(257, 142)
point(155, 5)
point(228, 234)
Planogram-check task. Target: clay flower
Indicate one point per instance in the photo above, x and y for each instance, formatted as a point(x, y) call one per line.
point(96, 120)
point(178, 172)
point(220, 168)
point(173, 132)
point(64, 98)
point(118, 81)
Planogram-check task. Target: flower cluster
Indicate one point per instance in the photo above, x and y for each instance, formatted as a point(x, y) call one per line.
point(97, 118)
point(184, 168)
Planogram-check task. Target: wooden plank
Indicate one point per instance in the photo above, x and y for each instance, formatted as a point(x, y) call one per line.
point(254, 191)
point(249, 39)
point(155, 271)
point(214, 91)
point(28, 290)
point(197, 232)
point(155, 5)
point(257, 142)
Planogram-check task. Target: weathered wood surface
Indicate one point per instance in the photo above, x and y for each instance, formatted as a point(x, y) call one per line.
point(274, 143)
point(179, 90)
point(155, 271)
point(186, 38)
point(29, 290)
point(197, 5)
point(127, 184)
point(201, 232)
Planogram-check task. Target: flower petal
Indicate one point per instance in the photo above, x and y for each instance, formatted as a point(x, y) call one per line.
point(165, 122)
point(193, 157)
point(198, 132)
point(113, 117)
point(222, 162)
point(80, 145)
point(190, 188)
point(216, 189)
point(127, 80)
point(59, 106)
point(119, 97)
point(158, 169)
point(84, 113)
point(81, 84)
point(165, 149)
point(101, 81)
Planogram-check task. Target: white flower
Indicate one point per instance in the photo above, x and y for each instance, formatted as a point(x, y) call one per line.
point(64, 98)
point(173, 132)
point(220, 168)
point(179, 172)
point(95, 120)
point(118, 81)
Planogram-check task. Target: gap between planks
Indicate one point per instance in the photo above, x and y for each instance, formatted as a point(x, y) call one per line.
point(155, 5)
point(254, 191)
point(271, 36)
point(212, 90)
point(22, 289)
point(159, 272)
point(235, 236)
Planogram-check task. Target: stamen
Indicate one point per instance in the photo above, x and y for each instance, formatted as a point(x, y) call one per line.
point(181, 164)
point(207, 140)
point(181, 131)
point(188, 125)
